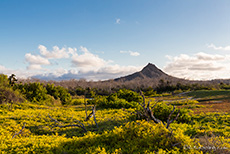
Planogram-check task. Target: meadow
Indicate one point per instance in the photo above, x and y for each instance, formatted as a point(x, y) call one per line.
point(117, 123)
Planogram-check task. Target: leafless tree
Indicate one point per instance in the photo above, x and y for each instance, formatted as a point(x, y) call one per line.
point(147, 113)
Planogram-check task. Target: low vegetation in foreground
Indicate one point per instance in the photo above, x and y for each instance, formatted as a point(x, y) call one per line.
point(39, 118)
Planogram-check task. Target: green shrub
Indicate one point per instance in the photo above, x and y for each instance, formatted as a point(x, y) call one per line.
point(59, 93)
point(40, 94)
point(4, 80)
point(134, 137)
point(34, 92)
point(113, 102)
point(129, 95)
point(117, 104)
point(8, 95)
point(184, 102)
point(77, 101)
point(162, 111)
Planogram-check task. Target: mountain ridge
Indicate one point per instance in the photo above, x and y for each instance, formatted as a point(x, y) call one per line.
point(150, 71)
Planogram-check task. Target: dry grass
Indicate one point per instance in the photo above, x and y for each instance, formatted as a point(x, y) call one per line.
point(213, 106)
point(212, 145)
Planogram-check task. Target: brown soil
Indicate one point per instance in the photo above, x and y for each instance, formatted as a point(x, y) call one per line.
point(212, 106)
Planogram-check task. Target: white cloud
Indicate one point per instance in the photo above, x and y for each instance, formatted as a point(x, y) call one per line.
point(106, 72)
point(88, 61)
point(20, 73)
point(36, 59)
point(134, 53)
point(204, 56)
point(201, 66)
point(206, 67)
point(88, 65)
point(34, 67)
point(72, 51)
point(56, 53)
point(93, 67)
point(2, 68)
point(226, 48)
point(131, 53)
point(118, 21)
point(117, 69)
point(84, 49)
point(85, 64)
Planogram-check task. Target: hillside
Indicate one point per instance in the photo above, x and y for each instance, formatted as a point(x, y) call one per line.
point(150, 71)
point(149, 76)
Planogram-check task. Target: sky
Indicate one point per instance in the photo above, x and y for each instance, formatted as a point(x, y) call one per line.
point(105, 39)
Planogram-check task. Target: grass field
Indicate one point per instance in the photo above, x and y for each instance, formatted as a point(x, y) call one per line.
point(212, 101)
point(210, 94)
point(54, 129)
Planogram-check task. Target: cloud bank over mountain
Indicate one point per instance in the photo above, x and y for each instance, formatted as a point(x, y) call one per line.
point(71, 63)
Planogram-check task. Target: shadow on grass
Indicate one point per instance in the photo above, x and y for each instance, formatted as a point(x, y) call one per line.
point(214, 99)
point(77, 131)
point(208, 93)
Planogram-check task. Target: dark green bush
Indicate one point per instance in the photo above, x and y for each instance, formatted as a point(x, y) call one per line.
point(34, 92)
point(134, 137)
point(40, 94)
point(77, 101)
point(59, 93)
point(112, 101)
point(129, 95)
point(8, 95)
point(162, 111)
point(4, 80)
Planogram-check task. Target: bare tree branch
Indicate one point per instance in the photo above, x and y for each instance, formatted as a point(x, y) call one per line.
point(20, 131)
point(139, 103)
point(148, 114)
point(85, 106)
point(176, 144)
point(170, 121)
point(89, 116)
point(143, 104)
point(76, 125)
point(79, 122)
point(148, 104)
point(53, 119)
point(94, 116)
point(155, 104)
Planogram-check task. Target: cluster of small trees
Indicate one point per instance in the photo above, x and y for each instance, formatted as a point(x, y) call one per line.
point(12, 92)
point(7, 94)
point(62, 92)
point(148, 85)
point(38, 92)
point(122, 99)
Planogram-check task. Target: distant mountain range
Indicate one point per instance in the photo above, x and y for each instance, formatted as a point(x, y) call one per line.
point(149, 76)
point(150, 73)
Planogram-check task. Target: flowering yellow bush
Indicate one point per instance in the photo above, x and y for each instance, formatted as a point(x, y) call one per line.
point(118, 132)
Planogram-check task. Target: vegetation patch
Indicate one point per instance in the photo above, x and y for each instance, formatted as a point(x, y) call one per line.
point(44, 118)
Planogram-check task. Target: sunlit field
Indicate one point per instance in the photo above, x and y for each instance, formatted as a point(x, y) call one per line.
point(117, 123)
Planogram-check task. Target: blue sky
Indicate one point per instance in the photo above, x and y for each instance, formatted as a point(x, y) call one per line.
point(102, 39)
